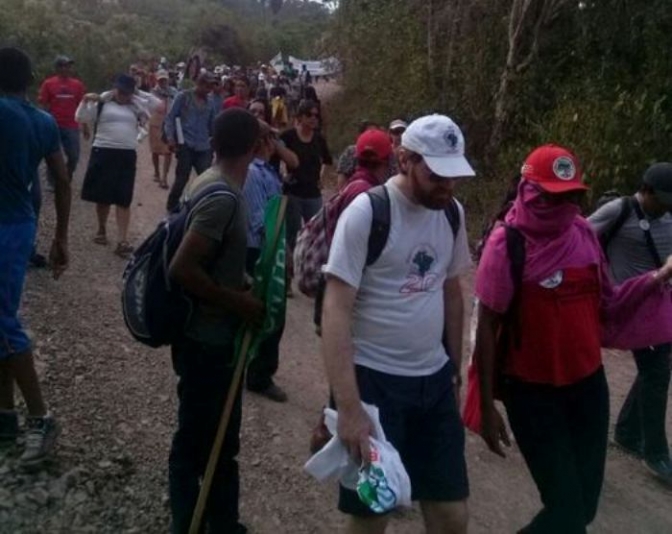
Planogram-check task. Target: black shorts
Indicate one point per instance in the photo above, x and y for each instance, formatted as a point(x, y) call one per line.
point(110, 177)
point(421, 419)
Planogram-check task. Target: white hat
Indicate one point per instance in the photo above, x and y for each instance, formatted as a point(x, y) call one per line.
point(440, 143)
point(397, 125)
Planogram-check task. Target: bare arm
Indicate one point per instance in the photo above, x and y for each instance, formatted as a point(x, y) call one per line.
point(454, 317)
point(493, 428)
point(286, 155)
point(187, 269)
point(354, 426)
point(325, 172)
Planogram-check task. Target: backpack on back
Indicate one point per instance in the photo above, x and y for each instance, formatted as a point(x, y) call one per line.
point(314, 240)
point(156, 311)
point(627, 205)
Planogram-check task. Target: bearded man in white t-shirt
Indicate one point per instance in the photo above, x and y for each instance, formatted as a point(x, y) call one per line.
point(392, 331)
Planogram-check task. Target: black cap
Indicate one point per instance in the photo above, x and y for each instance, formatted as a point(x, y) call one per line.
point(659, 178)
point(125, 83)
point(62, 61)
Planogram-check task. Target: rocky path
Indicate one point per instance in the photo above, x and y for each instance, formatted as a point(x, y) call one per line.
point(116, 403)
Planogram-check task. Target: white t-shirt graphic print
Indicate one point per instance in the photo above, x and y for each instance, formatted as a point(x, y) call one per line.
point(398, 318)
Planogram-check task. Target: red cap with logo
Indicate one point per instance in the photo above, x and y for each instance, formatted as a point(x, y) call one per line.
point(374, 145)
point(555, 169)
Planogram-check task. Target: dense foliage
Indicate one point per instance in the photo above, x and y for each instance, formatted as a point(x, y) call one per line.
point(105, 36)
point(595, 76)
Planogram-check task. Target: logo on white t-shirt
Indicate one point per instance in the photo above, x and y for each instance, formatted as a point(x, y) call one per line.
point(420, 277)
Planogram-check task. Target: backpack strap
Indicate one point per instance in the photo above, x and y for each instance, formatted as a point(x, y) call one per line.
point(515, 249)
point(453, 216)
point(380, 222)
point(99, 110)
point(627, 204)
point(218, 189)
point(646, 228)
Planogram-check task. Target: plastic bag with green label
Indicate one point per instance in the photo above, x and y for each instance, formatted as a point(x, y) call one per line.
point(383, 485)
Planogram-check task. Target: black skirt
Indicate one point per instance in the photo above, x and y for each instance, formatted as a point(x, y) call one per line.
point(110, 177)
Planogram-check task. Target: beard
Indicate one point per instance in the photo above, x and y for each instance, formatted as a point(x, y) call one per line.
point(436, 198)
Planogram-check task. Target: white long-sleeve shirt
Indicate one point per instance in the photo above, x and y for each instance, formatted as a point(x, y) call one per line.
point(118, 124)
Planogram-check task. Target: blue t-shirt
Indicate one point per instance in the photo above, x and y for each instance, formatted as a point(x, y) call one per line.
point(27, 136)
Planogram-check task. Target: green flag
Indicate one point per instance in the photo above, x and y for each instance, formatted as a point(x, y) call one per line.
point(269, 277)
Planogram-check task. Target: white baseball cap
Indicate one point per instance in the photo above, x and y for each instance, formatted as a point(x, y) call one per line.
point(440, 143)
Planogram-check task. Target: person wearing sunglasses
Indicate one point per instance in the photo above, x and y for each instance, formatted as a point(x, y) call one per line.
point(303, 181)
point(384, 325)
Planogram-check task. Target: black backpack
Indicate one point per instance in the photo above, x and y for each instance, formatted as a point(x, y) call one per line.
point(156, 311)
point(380, 231)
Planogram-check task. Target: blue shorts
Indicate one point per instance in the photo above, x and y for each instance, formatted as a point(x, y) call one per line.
point(16, 245)
point(421, 419)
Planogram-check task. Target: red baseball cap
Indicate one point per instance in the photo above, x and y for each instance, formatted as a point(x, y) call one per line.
point(374, 144)
point(555, 169)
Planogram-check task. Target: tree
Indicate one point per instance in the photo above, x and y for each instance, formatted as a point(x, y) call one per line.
point(527, 20)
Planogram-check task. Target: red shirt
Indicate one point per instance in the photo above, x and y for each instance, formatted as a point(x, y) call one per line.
point(234, 102)
point(61, 96)
point(560, 329)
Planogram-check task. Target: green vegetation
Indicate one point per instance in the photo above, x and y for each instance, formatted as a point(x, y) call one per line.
point(106, 36)
point(592, 75)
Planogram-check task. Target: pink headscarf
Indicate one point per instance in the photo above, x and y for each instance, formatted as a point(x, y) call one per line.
point(634, 314)
point(556, 238)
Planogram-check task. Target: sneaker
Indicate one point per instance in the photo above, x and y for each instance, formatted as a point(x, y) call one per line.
point(273, 392)
point(38, 261)
point(637, 452)
point(661, 469)
point(41, 434)
point(9, 427)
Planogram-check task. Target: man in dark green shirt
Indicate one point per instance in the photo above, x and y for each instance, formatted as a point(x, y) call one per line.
point(210, 266)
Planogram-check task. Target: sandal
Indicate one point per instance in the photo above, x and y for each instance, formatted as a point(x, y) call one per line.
point(124, 249)
point(100, 239)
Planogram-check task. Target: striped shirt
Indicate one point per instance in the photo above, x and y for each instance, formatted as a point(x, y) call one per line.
point(262, 184)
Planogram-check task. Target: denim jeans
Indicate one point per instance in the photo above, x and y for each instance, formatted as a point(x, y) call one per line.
point(261, 370)
point(641, 423)
point(187, 159)
point(70, 144)
point(298, 210)
point(562, 434)
point(205, 375)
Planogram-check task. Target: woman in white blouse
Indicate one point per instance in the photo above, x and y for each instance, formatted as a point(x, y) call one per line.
point(116, 117)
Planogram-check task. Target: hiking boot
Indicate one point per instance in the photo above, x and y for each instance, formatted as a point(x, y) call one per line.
point(661, 469)
point(9, 427)
point(41, 434)
point(272, 392)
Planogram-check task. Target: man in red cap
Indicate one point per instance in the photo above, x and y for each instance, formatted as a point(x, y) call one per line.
point(546, 307)
point(372, 153)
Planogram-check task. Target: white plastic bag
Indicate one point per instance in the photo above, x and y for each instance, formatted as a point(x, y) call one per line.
point(383, 485)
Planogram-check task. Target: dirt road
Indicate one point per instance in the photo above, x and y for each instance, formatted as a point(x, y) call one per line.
point(116, 403)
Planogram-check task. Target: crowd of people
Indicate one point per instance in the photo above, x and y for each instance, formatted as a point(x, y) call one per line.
point(553, 287)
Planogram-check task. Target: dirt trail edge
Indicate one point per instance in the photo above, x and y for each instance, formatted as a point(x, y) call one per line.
point(116, 403)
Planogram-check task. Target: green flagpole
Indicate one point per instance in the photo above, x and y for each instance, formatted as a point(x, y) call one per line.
point(230, 399)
